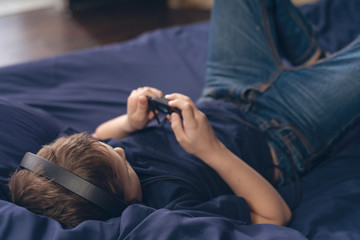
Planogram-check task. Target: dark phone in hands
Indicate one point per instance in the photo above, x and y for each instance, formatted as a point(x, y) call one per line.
point(161, 104)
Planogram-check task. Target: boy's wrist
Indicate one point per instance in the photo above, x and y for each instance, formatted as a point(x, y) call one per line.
point(128, 128)
point(212, 154)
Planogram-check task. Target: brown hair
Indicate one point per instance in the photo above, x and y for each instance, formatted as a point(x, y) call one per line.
point(80, 154)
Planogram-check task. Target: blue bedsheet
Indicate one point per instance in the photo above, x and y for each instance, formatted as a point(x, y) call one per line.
point(82, 89)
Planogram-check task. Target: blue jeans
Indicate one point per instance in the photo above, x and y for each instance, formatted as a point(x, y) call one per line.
point(302, 110)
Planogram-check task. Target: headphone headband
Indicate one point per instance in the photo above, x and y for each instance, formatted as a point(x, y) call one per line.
point(103, 199)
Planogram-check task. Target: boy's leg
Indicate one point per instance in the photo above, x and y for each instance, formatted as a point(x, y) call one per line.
point(302, 110)
point(243, 47)
point(306, 109)
point(295, 37)
point(241, 53)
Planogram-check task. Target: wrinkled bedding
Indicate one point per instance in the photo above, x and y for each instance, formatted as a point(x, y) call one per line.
point(39, 100)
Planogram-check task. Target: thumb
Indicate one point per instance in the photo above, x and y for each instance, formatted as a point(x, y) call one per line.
point(143, 103)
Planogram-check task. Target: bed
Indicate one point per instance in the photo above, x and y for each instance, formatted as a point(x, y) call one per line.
point(79, 90)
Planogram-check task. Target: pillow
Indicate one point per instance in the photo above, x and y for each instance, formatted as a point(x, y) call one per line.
point(22, 129)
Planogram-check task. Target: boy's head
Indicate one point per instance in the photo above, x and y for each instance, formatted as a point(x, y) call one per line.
point(86, 157)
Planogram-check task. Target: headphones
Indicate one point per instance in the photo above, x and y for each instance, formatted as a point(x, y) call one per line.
point(101, 198)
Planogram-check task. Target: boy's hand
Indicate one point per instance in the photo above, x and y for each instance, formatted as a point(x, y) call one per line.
point(138, 112)
point(194, 133)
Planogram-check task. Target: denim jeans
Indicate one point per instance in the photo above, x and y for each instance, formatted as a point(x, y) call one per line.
point(302, 110)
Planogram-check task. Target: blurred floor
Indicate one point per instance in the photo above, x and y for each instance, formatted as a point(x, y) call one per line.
point(47, 32)
point(8, 7)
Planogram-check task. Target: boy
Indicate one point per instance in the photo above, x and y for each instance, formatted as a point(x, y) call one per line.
point(108, 168)
point(283, 116)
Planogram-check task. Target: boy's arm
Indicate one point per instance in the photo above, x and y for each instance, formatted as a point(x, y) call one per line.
point(118, 128)
point(197, 137)
point(265, 203)
point(137, 117)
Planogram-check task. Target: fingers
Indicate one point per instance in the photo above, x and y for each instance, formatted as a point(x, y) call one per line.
point(174, 96)
point(194, 133)
point(137, 100)
point(143, 92)
point(151, 116)
point(137, 106)
point(186, 105)
point(148, 91)
point(152, 90)
point(177, 127)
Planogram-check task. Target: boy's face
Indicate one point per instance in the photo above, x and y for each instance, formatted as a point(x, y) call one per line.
point(128, 177)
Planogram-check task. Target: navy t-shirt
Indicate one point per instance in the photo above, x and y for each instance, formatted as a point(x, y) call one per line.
point(174, 179)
